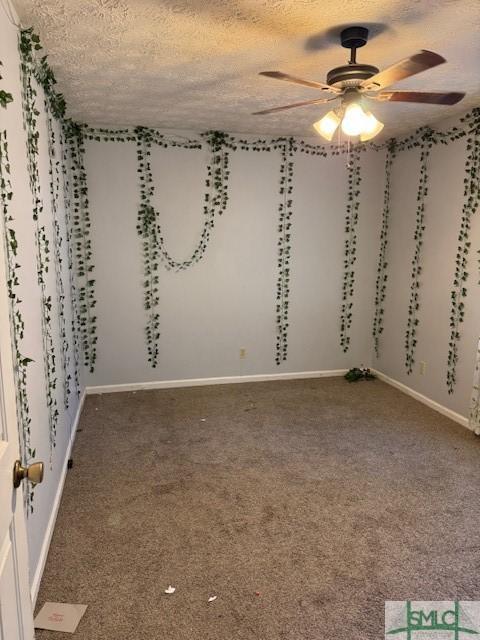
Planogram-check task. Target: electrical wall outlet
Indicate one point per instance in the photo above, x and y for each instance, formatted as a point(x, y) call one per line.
point(243, 353)
point(423, 367)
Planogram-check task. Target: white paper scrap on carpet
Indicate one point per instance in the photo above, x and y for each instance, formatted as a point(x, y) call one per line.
point(60, 616)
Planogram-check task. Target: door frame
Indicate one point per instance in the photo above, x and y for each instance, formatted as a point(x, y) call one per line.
point(9, 425)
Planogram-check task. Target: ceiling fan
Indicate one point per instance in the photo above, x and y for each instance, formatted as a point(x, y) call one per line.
point(354, 84)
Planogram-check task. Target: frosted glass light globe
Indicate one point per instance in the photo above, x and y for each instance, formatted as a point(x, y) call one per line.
point(327, 126)
point(354, 121)
point(372, 127)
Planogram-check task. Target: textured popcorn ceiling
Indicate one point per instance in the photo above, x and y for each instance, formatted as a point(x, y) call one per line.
point(193, 64)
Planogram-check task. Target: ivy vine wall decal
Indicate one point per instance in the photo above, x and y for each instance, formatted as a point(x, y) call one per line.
point(55, 107)
point(5, 96)
point(149, 228)
point(149, 225)
point(424, 138)
point(51, 244)
point(54, 171)
point(287, 149)
point(17, 322)
point(471, 200)
point(16, 317)
point(82, 246)
point(350, 253)
point(154, 250)
point(414, 302)
point(382, 264)
point(29, 42)
point(285, 211)
point(66, 185)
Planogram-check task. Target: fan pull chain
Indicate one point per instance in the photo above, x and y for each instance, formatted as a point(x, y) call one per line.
point(349, 158)
point(339, 138)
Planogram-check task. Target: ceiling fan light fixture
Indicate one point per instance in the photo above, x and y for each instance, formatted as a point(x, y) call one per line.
point(372, 127)
point(349, 82)
point(327, 125)
point(354, 121)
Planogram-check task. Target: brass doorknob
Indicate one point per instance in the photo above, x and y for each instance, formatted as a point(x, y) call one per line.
point(33, 473)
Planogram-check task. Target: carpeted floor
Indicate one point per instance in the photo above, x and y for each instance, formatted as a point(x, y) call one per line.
point(326, 498)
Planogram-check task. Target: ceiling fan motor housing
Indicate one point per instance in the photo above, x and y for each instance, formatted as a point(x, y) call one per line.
point(353, 73)
point(350, 75)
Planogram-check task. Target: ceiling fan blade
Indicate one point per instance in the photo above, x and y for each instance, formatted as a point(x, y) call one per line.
point(278, 75)
point(293, 106)
point(405, 68)
point(425, 97)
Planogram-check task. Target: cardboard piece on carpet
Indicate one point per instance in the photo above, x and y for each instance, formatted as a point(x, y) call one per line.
point(59, 616)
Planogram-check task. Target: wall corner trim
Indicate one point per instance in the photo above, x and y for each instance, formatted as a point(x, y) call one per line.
point(199, 382)
point(56, 504)
point(436, 406)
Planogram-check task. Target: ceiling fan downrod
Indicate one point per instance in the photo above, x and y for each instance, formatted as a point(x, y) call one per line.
point(351, 74)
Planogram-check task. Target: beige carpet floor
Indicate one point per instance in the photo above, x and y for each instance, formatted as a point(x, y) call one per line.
point(324, 498)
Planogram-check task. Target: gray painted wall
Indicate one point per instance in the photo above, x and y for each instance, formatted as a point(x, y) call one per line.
point(227, 301)
point(442, 220)
point(21, 208)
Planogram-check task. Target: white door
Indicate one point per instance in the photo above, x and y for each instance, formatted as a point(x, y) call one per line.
point(16, 616)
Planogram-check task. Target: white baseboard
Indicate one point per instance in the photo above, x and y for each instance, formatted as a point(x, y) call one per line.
point(56, 504)
point(198, 382)
point(326, 373)
point(456, 417)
